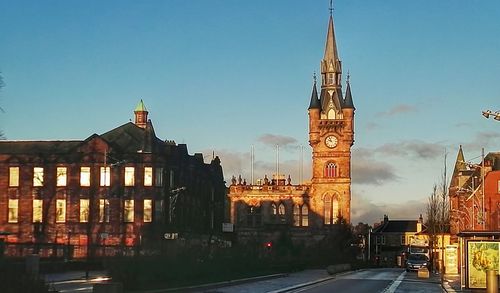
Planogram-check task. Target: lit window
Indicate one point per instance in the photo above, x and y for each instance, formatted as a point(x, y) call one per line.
point(60, 211)
point(148, 210)
point(84, 210)
point(13, 210)
point(296, 215)
point(129, 176)
point(105, 176)
point(148, 176)
point(128, 211)
point(331, 210)
point(37, 210)
point(38, 176)
point(13, 176)
point(85, 176)
point(498, 184)
point(61, 176)
point(330, 170)
point(305, 215)
point(281, 209)
point(104, 210)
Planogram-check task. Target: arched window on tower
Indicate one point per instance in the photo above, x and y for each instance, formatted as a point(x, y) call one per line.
point(331, 170)
point(296, 215)
point(331, 209)
point(281, 209)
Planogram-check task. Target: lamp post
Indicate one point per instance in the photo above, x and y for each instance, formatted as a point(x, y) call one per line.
point(495, 115)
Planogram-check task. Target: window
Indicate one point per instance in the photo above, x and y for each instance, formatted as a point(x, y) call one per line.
point(305, 215)
point(403, 240)
point(253, 216)
point(84, 176)
point(158, 176)
point(281, 209)
point(148, 210)
point(331, 78)
point(498, 186)
point(13, 176)
point(60, 211)
point(105, 176)
point(61, 176)
point(158, 209)
point(172, 179)
point(37, 210)
point(331, 210)
point(38, 176)
point(148, 176)
point(13, 210)
point(104, 210)
point(331, 170)
point(382, 240)
point(128, 211)
point(274, 209)
point(129, 176)
point(84, 210)
point(296, 215)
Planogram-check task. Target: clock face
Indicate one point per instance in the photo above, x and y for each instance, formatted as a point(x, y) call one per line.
point(331, 141)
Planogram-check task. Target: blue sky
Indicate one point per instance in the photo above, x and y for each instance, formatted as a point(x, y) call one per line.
point(224, 75)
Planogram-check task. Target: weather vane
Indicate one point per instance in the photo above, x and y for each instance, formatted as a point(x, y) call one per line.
point(331, 7)
point(314, 77)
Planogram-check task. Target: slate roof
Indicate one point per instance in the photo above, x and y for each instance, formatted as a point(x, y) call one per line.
point(392, 226)
point(348, 103)
point(315, 104)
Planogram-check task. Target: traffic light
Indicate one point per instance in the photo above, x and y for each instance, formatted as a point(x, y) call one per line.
point(269, 245)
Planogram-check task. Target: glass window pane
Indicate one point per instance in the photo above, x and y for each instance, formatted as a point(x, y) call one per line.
point(148, 176)
point(305, 215)
point(148, 210)
point(335, 210)
point(281, 209)
point(159, 176)
point(13, 176)
point(128, 215)
point(104, 210)
point(327, 209)
point(129, 176)
point(13, 210)
point(84, 210)
point(85, 176)
point(61, 176)
point(60, 211)
point(37, 210)
point(296, 215)
point(105, 176)
point(38, 176)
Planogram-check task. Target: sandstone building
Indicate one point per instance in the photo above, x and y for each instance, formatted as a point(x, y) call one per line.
point(309, 209)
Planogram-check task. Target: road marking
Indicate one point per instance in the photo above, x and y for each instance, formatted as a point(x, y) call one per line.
point(395, 284)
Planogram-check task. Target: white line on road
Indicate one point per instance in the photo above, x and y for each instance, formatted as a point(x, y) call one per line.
point(395, 284)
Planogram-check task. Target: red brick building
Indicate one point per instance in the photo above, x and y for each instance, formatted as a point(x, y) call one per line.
point(117, 192)
point(466, 195)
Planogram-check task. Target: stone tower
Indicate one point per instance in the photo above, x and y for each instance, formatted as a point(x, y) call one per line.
point(331, 136)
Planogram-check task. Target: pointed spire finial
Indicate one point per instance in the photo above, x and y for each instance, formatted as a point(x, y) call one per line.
point(314, 77)
point(331, 7)
point(348, 76)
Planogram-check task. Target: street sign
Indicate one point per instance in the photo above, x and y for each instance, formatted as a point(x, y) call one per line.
point(171, 236)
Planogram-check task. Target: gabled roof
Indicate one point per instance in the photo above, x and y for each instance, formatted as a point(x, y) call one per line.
point(132, 138)
point(394, 226)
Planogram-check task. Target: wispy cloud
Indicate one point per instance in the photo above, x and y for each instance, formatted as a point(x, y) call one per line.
point(398, 109)
point(366, 170)
point(364, 210)
point(412, 148)
point(281, 140)
point(484, 139)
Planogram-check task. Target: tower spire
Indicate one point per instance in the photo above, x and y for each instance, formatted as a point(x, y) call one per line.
point(141, 115)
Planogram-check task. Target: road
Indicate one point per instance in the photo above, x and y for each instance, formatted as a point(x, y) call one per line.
point(387, 280)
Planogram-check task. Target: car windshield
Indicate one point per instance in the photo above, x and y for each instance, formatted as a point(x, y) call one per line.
point(417, 257)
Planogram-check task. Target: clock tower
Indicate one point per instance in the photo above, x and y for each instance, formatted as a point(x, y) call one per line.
point(331, 136)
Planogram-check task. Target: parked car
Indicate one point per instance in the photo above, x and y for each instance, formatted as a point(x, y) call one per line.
point(416, 261)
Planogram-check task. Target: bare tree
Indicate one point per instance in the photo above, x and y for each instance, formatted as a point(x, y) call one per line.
point(438, 215)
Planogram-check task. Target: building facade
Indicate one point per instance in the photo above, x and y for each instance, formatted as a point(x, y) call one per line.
point(472, 185)
point(114, 193)
point(308, 209)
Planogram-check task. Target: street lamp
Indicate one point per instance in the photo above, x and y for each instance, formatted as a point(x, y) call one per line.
point(495, 115)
